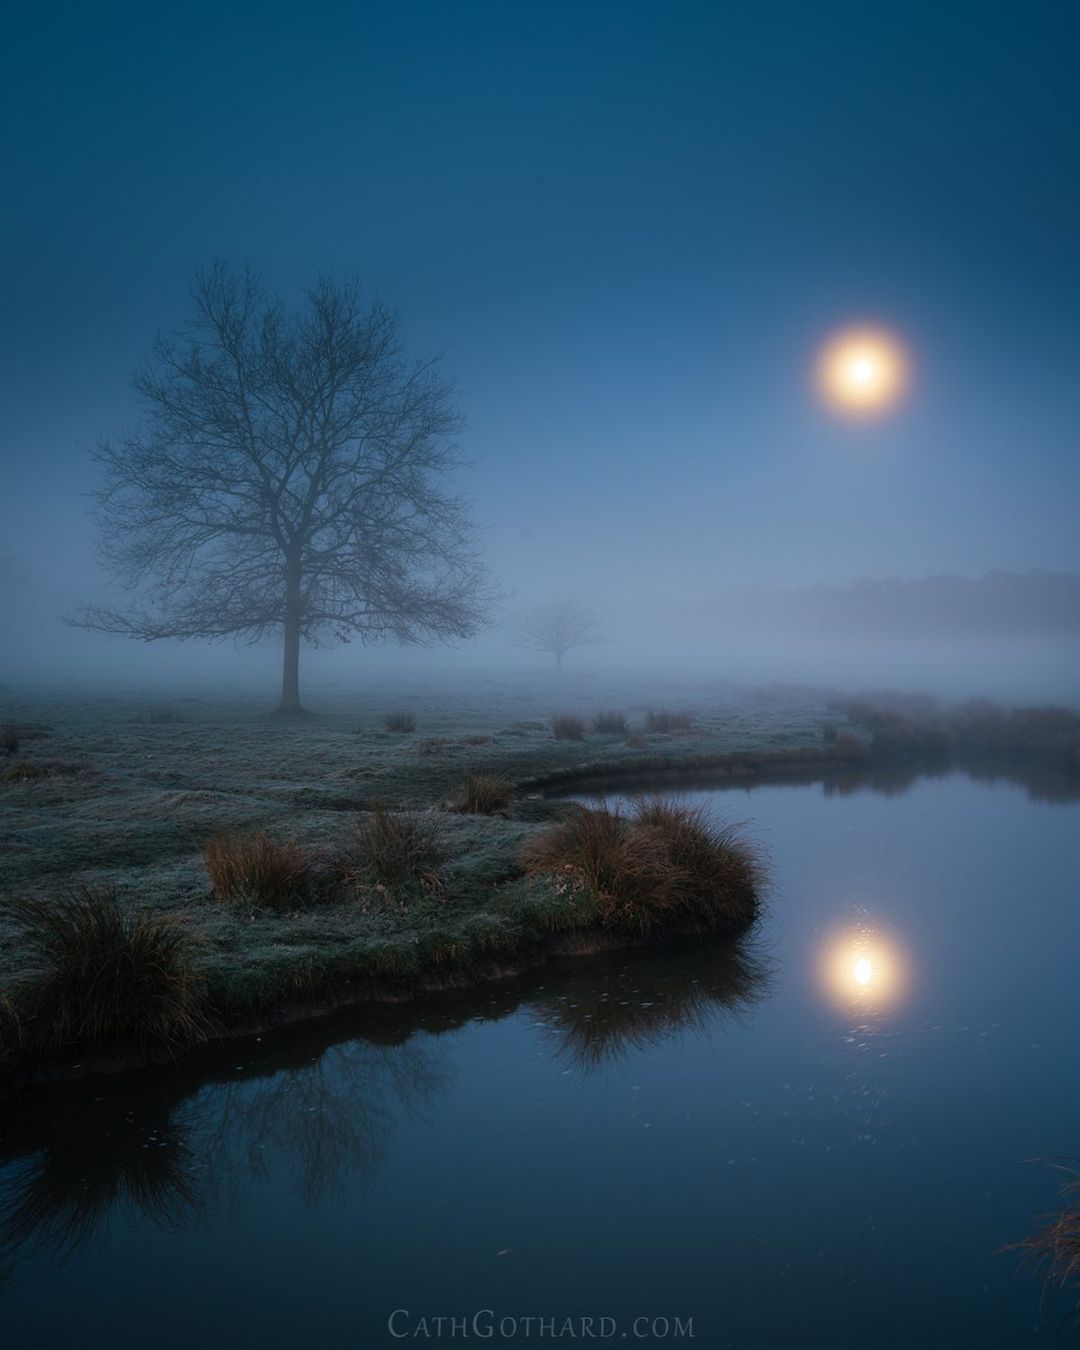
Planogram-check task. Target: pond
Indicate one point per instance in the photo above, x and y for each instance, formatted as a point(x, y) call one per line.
point(824, 1138)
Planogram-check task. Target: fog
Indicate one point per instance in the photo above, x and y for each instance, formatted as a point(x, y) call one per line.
point(624, 242)
point(824, 637)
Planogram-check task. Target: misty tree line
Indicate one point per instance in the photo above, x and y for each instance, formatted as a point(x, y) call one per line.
point(289, 476)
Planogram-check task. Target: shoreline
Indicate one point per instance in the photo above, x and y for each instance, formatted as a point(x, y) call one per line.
point(354, 992)
point(496, 928)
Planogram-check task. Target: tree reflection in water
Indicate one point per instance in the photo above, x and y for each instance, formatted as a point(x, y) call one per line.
point(160, 1145)
point(65, 1174)
point(318, 1102)
point(323, 1119)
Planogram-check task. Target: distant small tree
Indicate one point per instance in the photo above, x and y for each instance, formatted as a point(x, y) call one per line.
point(557, 628)
point(287, 477)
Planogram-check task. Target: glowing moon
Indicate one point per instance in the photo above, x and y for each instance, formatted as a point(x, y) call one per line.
point(862, 371)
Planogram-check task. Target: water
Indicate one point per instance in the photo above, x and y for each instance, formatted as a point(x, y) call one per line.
point(823, 1141)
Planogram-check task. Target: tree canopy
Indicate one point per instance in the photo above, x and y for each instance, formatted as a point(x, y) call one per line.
point(288, 475)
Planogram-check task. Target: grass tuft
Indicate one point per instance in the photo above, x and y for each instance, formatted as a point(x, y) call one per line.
point(253, 869)
point(664, 861)
point(105, 975)
point(667, 721)
point(1056, 1246)
point(609, 722)
point(597, 851)
point(718, 873)
point(400, 721)
point(398, 852)
point(484, 795)
point(568, 727)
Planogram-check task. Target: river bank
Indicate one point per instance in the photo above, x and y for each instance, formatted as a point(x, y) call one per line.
point(125, 798)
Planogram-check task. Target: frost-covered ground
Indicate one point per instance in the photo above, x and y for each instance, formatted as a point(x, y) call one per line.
point(103, 791)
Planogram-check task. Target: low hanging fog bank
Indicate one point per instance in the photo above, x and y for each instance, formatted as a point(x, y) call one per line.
point(1003, 635)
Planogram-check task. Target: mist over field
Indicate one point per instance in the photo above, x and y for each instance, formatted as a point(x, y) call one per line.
point(1002, 635)
point(625, 256)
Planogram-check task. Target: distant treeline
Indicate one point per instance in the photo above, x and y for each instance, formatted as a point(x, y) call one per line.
point(994, 605)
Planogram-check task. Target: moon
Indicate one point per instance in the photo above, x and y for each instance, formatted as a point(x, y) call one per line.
point(863, 371)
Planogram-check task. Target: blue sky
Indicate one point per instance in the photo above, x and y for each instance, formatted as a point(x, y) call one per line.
point(626, 227)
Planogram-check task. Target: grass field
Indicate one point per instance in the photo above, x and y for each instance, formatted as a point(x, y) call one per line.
point(386, 837)
point(122, 791)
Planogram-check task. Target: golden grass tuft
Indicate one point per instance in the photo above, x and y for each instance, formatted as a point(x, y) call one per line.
point(484, 794)
point(662, 862)
point(622, 869)
point(253, 869)
point(718, 872)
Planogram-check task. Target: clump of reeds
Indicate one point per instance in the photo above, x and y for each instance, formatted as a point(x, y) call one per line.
point(1056, 1246)
point(9, 739)
point(400, 721)
point(253, 869)
point(596, 851)
point(667, 720)
point(609, 722)
point(398, 852)
point(103, 974)
point(568, 727)
point(661, 862)
point(484, 794)
point(717, 872)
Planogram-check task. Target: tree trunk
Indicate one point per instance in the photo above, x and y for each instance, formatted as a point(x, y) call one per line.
point(558, 662)
point(290, 671)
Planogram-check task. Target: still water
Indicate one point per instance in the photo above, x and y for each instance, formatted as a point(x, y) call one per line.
point(825, 1139)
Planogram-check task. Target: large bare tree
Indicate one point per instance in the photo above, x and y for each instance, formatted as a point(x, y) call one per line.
point(557, 628)
point(288, 476)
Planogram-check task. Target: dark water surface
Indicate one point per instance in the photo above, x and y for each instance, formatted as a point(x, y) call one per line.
point(817, 1142)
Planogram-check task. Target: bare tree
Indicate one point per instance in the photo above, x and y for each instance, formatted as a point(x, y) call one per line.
point(286, 478)
point(557, 629)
